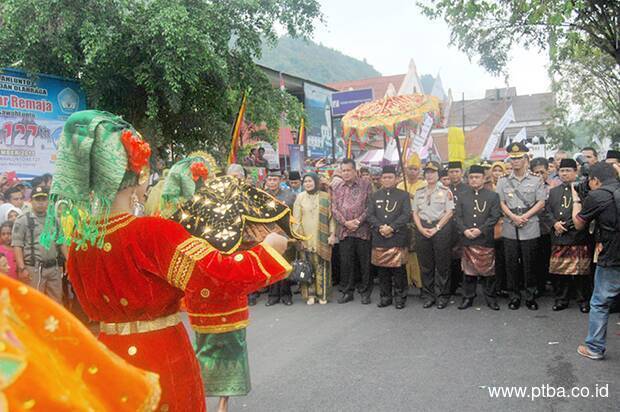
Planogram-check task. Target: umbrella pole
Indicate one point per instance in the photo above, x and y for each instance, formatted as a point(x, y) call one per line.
point(400, 160)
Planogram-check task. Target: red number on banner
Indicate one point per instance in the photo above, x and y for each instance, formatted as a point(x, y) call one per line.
point(34, 131)
point(8, 131)
point(19, 129)
point(19, 134)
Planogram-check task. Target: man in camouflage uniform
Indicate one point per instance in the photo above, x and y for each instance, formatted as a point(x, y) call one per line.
point(37, 266)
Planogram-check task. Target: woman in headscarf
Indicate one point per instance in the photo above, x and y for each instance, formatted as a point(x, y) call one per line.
point(8, 212)
point(130, 273)
point(313, 220)
point(498, 170)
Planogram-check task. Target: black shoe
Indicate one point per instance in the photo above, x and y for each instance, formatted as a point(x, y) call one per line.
point(399, 305)
point(467, 303)
point(365, 300)
point(559, 306)
point(514, 304)
point(384, 303)
point(428, 304)
point(442, 304)
point(345, 297)
point(252, 300)
point(531, 305)
point(272, 301)
point(584, 308)
point(493, 305)
point(287, 300)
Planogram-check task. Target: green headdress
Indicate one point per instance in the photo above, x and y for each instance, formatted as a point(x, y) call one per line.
point(181, 181)
point(99, 154)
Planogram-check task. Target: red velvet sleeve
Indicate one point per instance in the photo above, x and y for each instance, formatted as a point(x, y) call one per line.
point(190, 263)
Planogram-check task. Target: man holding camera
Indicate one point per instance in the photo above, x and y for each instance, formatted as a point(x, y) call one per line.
point(522, 196)
point(601, 204)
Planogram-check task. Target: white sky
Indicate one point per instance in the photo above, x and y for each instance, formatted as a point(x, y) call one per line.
point(388, 33)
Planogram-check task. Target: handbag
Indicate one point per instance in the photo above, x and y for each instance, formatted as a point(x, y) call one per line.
point(302, 270)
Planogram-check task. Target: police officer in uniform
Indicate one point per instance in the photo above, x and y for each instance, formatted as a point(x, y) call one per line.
point(522, 196)
point(37, 266)
point(477, 212)
point(433, 207)
point(389, 212)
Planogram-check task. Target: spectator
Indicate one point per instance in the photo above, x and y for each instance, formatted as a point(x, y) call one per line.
point(312, 212)
point(6, 229)
point(590, 155)
point(601, 205)
point(498, 170)
point(260, 160)
point(14, 196)
point(349, 208)
point(294, 182)
point(250, 159)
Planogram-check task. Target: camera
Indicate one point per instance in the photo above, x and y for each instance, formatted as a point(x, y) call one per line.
point(582, 188)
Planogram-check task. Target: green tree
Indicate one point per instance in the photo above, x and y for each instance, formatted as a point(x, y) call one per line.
point(176, 69)
point(582, 38)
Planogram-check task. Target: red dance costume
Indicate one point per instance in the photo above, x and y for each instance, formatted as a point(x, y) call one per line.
point(134, 286)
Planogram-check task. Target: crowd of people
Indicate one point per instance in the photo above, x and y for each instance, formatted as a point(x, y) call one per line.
point(511, 226)
point(519, 229)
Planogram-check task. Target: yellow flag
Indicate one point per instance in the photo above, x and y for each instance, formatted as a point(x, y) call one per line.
point(456, 144)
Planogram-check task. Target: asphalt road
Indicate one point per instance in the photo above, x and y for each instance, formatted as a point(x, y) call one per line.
point(361, 358)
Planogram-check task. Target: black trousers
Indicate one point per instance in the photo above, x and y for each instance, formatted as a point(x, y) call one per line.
point(489, 284)
point(521, 271)
point(280, 289)
point(434, 259)
point(393, 282)
point(355, 252)
point(336, 264)
point(580, 286)
point(542, 262)
point(500, 265)
point(283, 287)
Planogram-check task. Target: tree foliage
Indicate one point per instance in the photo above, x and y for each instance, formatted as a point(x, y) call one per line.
point(582, 38)
point(312, 61)
point(176, 69)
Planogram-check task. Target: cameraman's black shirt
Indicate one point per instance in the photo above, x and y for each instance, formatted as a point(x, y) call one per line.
point(600, 205)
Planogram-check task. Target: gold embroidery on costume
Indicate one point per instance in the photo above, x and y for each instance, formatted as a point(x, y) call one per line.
point(185, 257)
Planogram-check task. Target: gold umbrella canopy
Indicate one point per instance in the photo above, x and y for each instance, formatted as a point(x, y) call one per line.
point(388, 113)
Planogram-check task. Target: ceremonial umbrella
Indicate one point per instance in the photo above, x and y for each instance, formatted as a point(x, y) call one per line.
point(384, 118)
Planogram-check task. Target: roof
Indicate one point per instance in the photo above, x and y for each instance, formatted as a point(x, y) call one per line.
point(527, 108)
point(379, 85)
point(482, 115)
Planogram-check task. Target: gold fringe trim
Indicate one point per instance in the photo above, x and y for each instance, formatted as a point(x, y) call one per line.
point(221, 328)
point(214, 315)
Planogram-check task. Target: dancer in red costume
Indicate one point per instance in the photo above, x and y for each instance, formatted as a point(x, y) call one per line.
point(131, 273)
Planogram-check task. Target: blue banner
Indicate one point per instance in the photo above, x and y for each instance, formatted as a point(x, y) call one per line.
point(319, 129)
point(33, 111)
point(342, 102)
